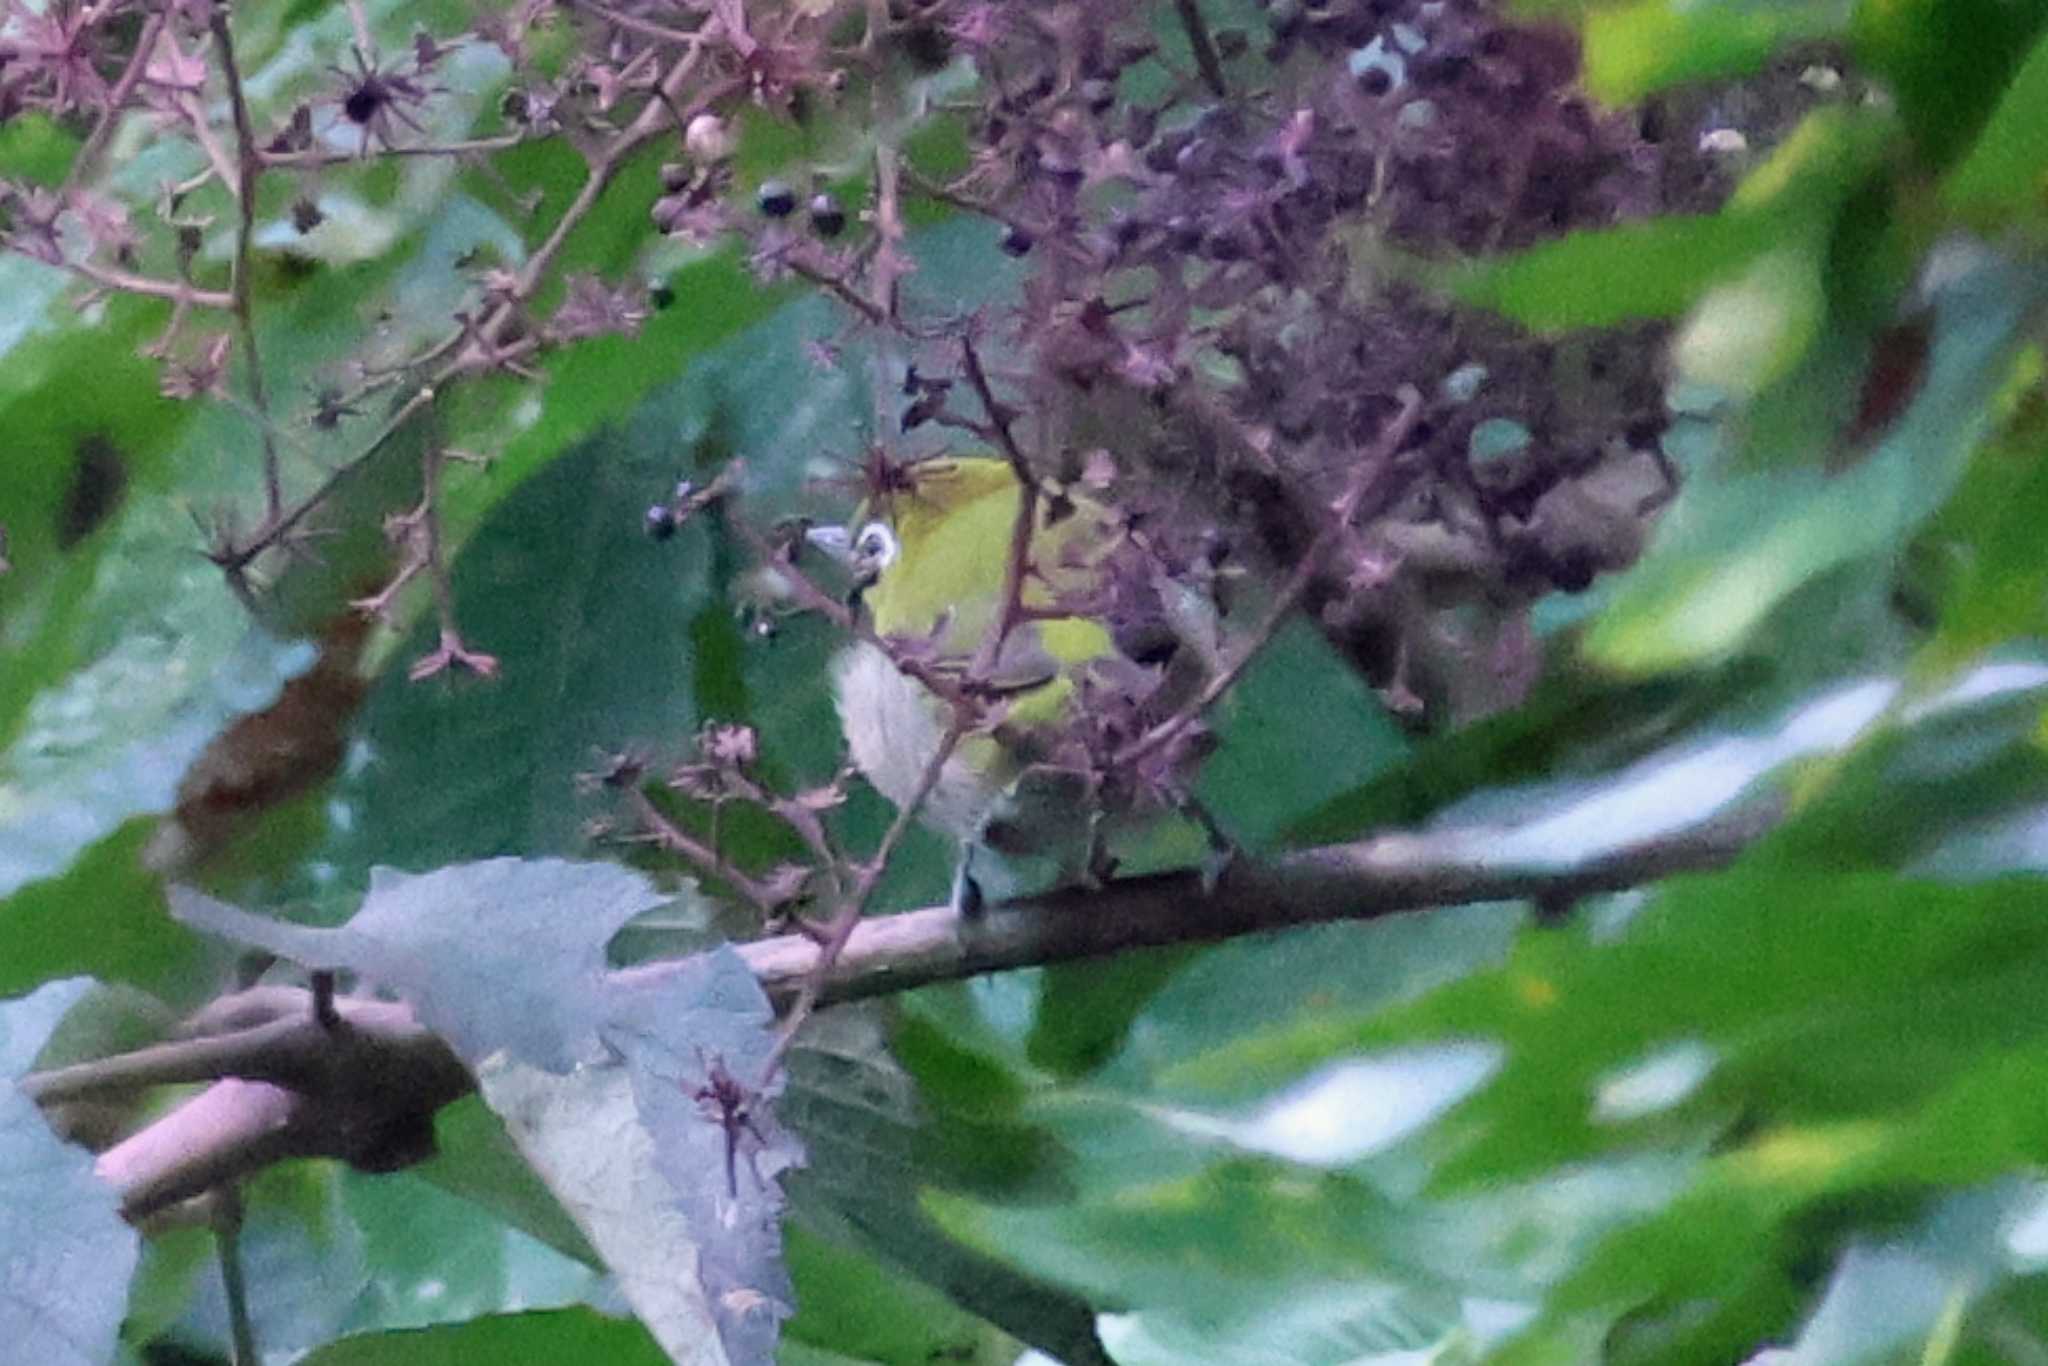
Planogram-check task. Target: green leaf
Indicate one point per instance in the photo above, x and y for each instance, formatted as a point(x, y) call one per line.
point(1278, 759)
point(871, 1146)
point(1659, 267)
point(1948, 62)
point(1650, 269)
point(475, 1159)
point(105, 916)
point(851, 1304)
point(1636, 48)
point(564, 1337)
point(2004, 175)
point(303, 1258)
point(436, 1258)
point(1736, 545)
point(65, 1253)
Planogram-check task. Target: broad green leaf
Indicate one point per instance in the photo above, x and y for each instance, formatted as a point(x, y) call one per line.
point(104, 915)
point(303, 1259)
point(1948, 62)
point(1748, 333)
point(1658, 267)
point(1278, 759)
point(2005, 173)
point(65, 1254)
point(606, 639)
point(475, 1159)
point(1577, 723)
point(1736, 545)
point(1651, 269)
point(852, 1304)
point(871, 1144)
point(435, 1258)
point(1987, 576)
point(562, 1337)
point(1642, 46)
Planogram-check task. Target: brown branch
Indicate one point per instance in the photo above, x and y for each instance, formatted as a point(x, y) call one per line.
point(1367, 880)
point(293, 1087)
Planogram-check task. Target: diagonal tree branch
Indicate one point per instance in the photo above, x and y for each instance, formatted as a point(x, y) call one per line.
point(364, 1088)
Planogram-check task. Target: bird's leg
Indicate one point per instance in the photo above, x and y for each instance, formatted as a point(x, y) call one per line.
point(1100, 864)
point(966, 900)
point(1222, 850)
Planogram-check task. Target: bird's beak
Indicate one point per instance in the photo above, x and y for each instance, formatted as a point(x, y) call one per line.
point(835, 541)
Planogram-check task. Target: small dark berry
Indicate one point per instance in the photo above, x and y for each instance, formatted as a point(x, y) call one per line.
point(1016, 241)
point(306, 215)
point(1375, 81)
point(661, 521)
point(661, 296)
point(775, 199)
point(828, 219)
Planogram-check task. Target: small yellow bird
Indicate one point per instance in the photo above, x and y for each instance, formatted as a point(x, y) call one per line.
point(934, 561)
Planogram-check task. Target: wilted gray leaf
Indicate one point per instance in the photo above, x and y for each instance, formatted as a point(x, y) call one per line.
point(66, 1255)
point(502, 954)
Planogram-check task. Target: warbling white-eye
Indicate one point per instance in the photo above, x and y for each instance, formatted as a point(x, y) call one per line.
point(933, 558)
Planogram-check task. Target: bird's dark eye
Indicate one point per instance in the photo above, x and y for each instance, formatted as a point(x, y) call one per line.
point(876, 545)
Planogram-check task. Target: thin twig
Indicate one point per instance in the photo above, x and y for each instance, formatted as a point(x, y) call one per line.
point(854, 907)
point(1371, 466)
point(313, 158)
point(1206, 60)
point(127, 282)
point(115, 104)
point(634, 24)
point(451, 353)
point(227, 1240)
point(999, 414)
point(707, 858)
point(248, 168)
point(836, 286)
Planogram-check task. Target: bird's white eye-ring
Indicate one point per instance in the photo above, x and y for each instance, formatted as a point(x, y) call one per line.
point(875, 548)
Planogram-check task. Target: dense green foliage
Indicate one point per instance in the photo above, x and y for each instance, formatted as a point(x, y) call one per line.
point(1796, 1097)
